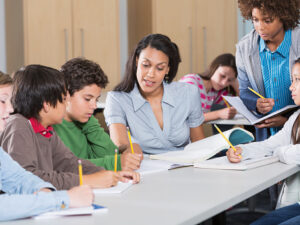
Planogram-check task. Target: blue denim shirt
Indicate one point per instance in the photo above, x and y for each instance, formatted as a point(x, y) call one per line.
point(276, 74)
point(19, 186)
point(181, 108)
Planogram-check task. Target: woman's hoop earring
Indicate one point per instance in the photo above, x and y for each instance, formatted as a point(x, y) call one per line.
point(166, 78)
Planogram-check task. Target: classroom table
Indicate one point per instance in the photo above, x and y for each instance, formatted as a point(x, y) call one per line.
point(180, 196)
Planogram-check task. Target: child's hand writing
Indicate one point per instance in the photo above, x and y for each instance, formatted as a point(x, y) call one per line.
point(234, 156)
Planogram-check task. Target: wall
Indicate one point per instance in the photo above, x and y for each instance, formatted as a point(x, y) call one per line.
point(244, 27)
point(2, 37)
point(123, 35)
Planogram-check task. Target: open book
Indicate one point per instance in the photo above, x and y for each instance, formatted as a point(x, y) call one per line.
point(223, 163)
point(118, 189)
point(73, 212)
point(149, 166)
point(237, 103)
point(204, 149)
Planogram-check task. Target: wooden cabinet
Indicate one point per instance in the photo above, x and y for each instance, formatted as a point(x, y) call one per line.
point(58, 30)
point(202, 29)
point(47, 32)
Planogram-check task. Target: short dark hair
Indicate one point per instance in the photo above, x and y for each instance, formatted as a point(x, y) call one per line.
point(81, 72)
point(226, 59)
point(286, 10)
point(5, 79)
point(159, 42)
point(34, 85)
point(297, 61)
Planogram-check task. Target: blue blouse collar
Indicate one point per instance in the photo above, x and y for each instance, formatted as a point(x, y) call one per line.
point(138, 100)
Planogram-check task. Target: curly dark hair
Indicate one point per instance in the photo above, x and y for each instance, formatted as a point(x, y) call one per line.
point(80, 72)
point(286, 10)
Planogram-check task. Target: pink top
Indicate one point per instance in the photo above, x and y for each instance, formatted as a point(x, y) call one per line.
point(207, 98)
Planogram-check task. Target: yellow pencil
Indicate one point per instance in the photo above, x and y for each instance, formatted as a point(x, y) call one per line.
point(129, 136)
point(227, 104)
point(259, 95)
point(234, 149)
point(80, 172)
point(116, 159)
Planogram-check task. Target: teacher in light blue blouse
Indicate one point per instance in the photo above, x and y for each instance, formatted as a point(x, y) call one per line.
point(162, 115)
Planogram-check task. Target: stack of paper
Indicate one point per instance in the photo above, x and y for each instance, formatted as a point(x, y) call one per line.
point(119, 188)
point(149, 166)
point(223, 163)
point(73, 212)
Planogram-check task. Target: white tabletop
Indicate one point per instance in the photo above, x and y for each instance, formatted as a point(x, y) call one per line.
point(181, 196)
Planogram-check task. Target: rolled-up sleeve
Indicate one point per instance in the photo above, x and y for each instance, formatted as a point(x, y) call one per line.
point(113, 111)
point(196, 116)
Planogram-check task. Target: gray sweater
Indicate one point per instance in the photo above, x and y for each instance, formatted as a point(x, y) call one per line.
point(47, 158)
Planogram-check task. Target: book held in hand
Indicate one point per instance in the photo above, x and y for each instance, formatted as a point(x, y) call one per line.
point(206, 148)
point(238, 104)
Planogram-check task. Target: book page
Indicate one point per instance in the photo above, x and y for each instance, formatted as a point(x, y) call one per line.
point(204, 149)
point(238, 104)
point(149, 166)
point(119, 188)
point(224, 164)
point(185, 156)
point(72, 212)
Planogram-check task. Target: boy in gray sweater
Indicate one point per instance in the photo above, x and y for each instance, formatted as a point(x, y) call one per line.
point(38, 100)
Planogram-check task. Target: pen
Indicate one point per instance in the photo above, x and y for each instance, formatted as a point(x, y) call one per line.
point(80, 171)
point(129, 136)
point(259, 95)
point(234, 149)
point(227, 104)
point(116, 159)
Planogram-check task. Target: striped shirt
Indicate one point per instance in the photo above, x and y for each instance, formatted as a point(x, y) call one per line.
point(276, 73)
point(207, 98)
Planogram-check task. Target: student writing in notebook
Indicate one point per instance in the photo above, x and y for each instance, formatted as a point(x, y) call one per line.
point(80, 130)
point(162, 115)
point(285, 144)
point(24, 193)
point(265, 56)
point(39, 98)
point(213, 84)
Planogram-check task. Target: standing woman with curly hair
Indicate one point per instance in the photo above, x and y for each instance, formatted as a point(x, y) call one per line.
point(265, 56)
point(264, 60)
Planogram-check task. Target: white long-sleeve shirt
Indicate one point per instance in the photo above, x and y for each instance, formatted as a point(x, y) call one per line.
point(280, 144)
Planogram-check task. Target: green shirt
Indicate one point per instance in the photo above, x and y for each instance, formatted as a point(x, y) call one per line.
point(89, 141)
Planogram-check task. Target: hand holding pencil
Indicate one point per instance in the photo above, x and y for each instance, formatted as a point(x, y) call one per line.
point(234, 156)
point(264, 105)
point(226, 139)
point(226, 113)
